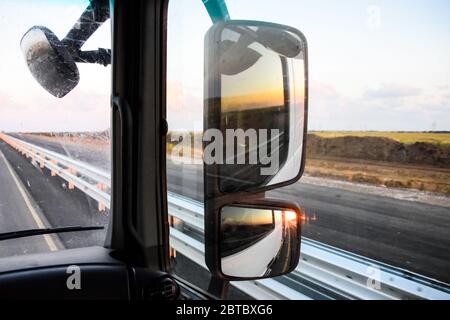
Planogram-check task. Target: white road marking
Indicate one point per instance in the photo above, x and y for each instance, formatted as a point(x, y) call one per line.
point(51, 244)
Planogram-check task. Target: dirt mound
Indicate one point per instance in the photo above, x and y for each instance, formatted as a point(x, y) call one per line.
point(378, 149)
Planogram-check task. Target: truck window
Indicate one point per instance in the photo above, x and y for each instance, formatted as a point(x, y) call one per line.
point(377, 164)
point(54, 153)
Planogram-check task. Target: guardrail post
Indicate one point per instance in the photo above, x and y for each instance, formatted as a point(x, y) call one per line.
point(53, 172)
point(101, 207)
point(172, 252)
point(71, 170)
point(103, 187)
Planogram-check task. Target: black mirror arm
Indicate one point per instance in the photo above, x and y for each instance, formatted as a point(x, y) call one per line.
point(90, 20)
point(100, 56)
point(218, 287)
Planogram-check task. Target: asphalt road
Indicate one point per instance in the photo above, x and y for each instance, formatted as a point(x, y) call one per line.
point(406, 234)
point(57, 204)
point(17, 212)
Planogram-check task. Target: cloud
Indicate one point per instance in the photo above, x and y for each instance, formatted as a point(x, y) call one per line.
point(391, 91)
point(80, 110)
point(184, 106)
point(373, 21)
point(390, 108)
point(444, 87)
point(323, 90)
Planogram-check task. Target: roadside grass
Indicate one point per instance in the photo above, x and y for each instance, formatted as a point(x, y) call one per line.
point(440, 139)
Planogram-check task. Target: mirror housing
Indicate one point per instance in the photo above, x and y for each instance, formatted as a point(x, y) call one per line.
point(49, 61)
point(255, 94)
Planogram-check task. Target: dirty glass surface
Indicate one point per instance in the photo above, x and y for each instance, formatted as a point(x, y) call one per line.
point(51, 149)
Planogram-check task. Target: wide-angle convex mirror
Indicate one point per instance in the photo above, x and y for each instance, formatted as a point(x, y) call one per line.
point(257, 243)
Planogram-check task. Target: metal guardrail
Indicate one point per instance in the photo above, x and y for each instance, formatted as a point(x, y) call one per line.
point(323, 271)
point(343, 273)
point(91, 180)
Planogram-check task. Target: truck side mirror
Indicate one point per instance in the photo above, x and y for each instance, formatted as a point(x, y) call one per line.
point(49, 61)
point(52, 62)
point(255, 122)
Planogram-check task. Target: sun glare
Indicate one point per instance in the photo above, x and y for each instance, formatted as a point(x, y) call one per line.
point(290, 215)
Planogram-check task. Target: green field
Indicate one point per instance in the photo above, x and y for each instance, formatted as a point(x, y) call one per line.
point(403, 137)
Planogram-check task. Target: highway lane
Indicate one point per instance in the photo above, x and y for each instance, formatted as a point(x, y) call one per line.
point(405, 234)
point(72, 207)
point(410, 235)
point(59, 205)
point(17, 212)
point(98, 157)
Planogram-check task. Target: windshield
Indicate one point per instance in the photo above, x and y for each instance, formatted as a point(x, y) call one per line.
point(54, 153)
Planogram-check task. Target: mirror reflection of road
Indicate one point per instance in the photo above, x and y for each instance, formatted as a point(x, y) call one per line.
point(257, 259)
point(407, 234)
point(270, 254)
point(283, 260)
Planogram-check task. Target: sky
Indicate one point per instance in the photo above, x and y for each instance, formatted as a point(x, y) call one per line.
point(373, 65)
point(24, 105)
